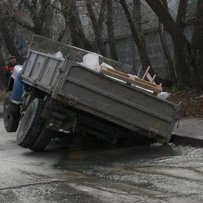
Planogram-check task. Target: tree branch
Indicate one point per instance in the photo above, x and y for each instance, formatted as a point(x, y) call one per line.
point(101, 17)
point(182, 11)
point(110, 30)
point(167, 20)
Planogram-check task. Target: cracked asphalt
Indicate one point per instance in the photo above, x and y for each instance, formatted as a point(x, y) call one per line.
point(155, 173)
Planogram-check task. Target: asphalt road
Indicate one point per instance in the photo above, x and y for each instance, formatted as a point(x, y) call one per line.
point(153, 173)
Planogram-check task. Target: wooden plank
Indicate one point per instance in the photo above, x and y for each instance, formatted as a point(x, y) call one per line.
point(136, 81)
point(149, 77)
point(153, 78)
point(115, 71)
point(146, 72)
point(119, 73)
point(126, 76)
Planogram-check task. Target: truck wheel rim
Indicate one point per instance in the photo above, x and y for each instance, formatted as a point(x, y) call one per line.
point(26, 122)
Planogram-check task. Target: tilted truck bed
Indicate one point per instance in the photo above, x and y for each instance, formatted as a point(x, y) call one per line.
point(95, 93)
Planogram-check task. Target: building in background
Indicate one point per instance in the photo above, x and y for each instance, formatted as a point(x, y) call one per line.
point(148, 25)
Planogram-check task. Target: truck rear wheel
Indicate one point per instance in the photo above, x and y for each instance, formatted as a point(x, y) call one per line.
point(42, 140)
point(11, 117)
point(31, 124)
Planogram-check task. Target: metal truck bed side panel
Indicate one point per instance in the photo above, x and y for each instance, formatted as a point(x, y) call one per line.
point(119, 103)
point(42, 70)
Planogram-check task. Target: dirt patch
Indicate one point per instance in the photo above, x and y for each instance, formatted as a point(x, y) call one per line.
point(192, 102)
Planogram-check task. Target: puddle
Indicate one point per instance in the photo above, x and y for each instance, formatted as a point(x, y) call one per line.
point(181, 173)
point(166, 168)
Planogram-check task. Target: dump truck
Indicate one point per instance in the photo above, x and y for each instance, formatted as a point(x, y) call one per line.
point(51, 94)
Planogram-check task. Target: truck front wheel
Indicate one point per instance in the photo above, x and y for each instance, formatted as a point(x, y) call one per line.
point(31, 124)
point(11, 116)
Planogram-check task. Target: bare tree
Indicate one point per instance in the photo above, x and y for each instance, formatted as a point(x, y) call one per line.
point(110, 30)
point(183, 58)
point(197, 43)
point(7, 28)
point(138, 38)
point(41, 13)
point(165, 47)
point(137, 16)
point(181, 15)
point(97, 23)
point(71, 15)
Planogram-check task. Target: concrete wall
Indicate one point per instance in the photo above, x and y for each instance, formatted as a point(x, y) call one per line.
point(128, 53)
point(127, 50)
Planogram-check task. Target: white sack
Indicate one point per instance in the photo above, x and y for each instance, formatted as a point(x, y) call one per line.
point(91, 61)
point(163, 95)
point(59, 55)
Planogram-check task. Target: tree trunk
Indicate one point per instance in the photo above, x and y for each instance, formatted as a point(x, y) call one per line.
point(182, 10)
point(138, 38)
point(46, 23)
point(137, 16)
point(165, 47)
point(180, 21)
point(197, 43)
point(96, 28)
point(35, 17)
point(183, 65)
point(42, 15)
point(183, 62)
point(110, 30)
point(167, 52)
point(9, 40)
point(76, 31)
point(63, 32)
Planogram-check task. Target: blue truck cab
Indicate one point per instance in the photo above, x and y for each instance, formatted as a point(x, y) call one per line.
point(13, 100)
point(15, 86)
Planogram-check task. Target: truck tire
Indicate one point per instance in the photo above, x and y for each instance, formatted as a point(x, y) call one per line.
point(43, 140)
point(31, 124)
point(10, 117)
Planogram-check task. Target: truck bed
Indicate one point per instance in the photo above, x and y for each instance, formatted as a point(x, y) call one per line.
point(99, 95)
